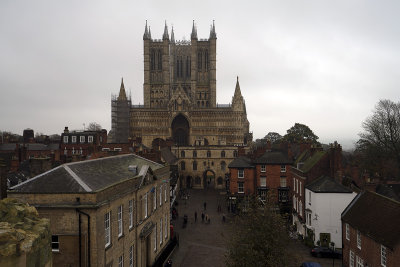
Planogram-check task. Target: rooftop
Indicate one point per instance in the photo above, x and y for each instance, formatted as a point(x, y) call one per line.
point(326, 184)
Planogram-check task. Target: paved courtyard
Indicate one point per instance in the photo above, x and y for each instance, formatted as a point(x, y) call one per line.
point(202, 244)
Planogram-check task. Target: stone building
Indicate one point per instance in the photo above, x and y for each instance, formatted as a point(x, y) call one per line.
point(180, 105)
point(105, 212)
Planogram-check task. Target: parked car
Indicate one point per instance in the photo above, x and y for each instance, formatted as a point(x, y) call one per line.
point(310, 264)
point(326, 252)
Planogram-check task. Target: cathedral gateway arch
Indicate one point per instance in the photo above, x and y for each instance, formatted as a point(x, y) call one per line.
point(180, 106)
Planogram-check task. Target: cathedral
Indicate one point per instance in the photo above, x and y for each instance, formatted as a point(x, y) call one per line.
point(180, 106)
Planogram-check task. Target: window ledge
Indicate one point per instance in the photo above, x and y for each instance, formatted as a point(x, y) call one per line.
point(108, 246)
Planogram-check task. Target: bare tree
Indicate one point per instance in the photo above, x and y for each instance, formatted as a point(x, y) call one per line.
point(93, 126)
point(381, 136)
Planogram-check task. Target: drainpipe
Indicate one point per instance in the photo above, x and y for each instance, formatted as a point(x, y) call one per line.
point(80, 242)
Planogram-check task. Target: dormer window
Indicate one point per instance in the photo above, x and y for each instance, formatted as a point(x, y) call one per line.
point(65, 139)
point(82, 139)
point(90, 139)
point(73, 139)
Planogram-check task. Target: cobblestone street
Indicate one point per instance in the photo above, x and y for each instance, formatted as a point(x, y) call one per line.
point(200, 244)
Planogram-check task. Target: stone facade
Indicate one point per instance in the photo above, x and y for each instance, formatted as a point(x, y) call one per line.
point(180, 102)
point(125, 221)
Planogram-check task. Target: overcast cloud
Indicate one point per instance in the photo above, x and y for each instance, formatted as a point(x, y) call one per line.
point(321, 63)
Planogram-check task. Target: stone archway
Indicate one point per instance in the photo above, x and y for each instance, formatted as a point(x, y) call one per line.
point(180, 130)
point(208, 178)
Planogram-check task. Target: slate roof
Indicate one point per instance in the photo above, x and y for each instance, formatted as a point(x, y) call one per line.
point(86, 176)
point(273, 157)
point(241, 162)
point(8, 146)
point(375, 216)
point(326, 184)
point(168, 156)
point(308, 161)
point(389, 190)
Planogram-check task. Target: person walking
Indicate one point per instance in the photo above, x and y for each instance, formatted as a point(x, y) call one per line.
point(195, 216)
point(202, 217)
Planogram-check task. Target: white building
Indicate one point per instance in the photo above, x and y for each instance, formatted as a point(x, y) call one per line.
point(325, 200)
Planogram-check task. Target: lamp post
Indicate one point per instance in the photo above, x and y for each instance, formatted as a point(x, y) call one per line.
point(332, 244)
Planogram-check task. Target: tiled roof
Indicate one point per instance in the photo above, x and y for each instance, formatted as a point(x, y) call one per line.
point(273, 157)
point(326, 184)
point(241, 162)
point(375, 216)
point(86, 176)
point(309, 160)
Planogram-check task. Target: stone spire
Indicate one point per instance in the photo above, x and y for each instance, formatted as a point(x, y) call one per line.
point(238, 93)
point(172, 35)
point(146, 33)
point(213, 34)
point(149, 33)
point(194, 32)
point(122, 93)
point(165, 35)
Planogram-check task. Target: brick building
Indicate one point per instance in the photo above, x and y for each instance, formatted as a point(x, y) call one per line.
point(266, 176)
point(103, 212)
point(310, 165)
point(371, 233)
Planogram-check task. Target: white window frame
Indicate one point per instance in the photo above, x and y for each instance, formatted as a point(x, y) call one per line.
point(90, 139)
point(131, 256)
point(145, 205)
point(130, 205)
point(155, 198)
point(161, 225)
point(347, 231)
point(297, 186)
point(294, 203)
point(155, 237)
point(166, 226)
point(283, 168)
point(161, 194)
point(263, 168)
point(300, 188)
point(263, 184)
point(73, 139)
point(294, 185)
point(120, 223)
point(241, 188)
point(360, 261)
point(358, 240)
point(240, 173)
point(82, 139)
point(165, 192)
point(107, 228)
point(121, 261)
point(55, 242)
point(283, 184)
point(65, 139)
point(351, 258)
point(383, 256)
point(309, 198)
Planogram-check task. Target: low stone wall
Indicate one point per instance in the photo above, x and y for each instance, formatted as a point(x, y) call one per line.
point(25, 239)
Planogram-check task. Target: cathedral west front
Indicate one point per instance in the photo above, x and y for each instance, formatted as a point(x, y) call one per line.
point(180, 106)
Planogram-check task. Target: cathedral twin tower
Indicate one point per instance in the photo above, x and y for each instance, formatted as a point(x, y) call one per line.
point(180, 97)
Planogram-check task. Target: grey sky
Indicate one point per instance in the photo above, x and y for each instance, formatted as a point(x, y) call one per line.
point(322, 63)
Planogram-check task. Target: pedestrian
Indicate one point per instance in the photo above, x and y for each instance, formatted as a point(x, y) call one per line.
point(195, 216)
point(206, 218)
point(202, 217)
point(205, 205)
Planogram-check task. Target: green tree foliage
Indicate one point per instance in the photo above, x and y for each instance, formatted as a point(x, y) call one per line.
point(273, 137)
point(259, 238)
point(300, 133)
point(379, 144)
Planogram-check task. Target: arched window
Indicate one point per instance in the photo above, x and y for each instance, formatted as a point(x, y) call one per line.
point(223, 165)
point(194, 154)
point(181, 68)
point(187, 67)
point(206, 60)
point(152, 60)
point(208, 154)
point(182, 165)
point(222, 154)
point(207, 104)
point(194, 165)
point(199, 60)
point(182, 153)
point(159, 60)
